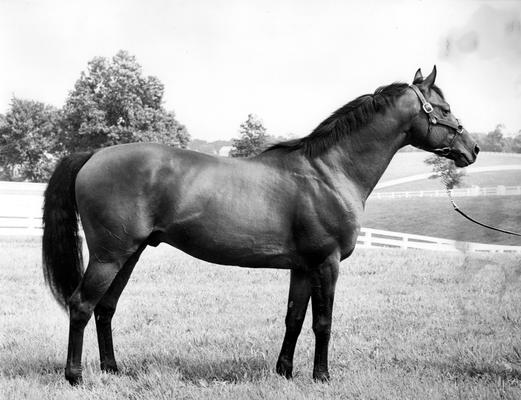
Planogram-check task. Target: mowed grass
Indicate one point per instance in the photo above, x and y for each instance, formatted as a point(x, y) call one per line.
point(482, 179)
point(405, 164)
point(435, 216)
point(407, 325)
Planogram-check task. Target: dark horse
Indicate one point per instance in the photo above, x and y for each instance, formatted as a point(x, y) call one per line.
point(296, 206)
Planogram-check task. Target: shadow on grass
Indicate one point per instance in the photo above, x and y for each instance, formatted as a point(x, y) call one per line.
point(455, 370)
point(200, 371)
point(27, 367)
point(487, 371)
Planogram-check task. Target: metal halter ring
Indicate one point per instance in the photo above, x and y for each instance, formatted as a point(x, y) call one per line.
point(427, 107)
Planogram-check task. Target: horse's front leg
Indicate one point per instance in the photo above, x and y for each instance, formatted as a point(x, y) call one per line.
point(323, 281)
point(299, 293)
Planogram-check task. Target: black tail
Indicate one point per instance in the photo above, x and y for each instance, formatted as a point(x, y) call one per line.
point(61, 244)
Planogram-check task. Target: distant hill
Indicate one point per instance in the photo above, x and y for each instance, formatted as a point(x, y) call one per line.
point(209, 147)
point(405, 164)
point(223, 147)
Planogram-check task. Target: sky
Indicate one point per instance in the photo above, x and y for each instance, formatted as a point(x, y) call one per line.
point(290, 62)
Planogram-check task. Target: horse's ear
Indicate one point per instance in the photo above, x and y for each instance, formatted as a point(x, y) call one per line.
point(418, 77)
point(429, 81)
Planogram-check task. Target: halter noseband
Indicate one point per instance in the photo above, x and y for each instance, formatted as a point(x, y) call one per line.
point(434, 120)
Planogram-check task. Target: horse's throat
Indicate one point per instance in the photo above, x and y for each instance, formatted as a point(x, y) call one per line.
point(365, 161)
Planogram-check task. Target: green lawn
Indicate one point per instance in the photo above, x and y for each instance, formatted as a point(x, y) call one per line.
point(411, 163)
point(482, 179)
point(407, 325)
point(434, 216)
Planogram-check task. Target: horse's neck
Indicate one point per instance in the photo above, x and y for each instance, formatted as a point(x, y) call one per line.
point(363, 156)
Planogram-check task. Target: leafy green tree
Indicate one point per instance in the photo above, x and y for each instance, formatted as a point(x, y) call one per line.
point(446, 170)
point(112, 102)
point(29, 140)
point(253, 138)
point(516, 143)
point(494, 141)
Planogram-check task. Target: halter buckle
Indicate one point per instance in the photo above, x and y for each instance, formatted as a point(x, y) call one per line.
point(460, 129)
point(427, 107)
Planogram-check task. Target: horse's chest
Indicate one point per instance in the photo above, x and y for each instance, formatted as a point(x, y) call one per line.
point(328, 225)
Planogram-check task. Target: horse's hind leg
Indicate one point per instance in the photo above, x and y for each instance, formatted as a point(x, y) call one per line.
point(95, 283)
point(299, 294)
point(105, 310)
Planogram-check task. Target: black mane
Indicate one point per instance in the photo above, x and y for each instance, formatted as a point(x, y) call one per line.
point(351, 117)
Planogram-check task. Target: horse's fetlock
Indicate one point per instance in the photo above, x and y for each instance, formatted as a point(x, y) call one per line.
point(73, 375)
point(284, 368)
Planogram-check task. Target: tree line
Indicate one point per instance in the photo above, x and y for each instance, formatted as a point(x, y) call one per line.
point(496, 141)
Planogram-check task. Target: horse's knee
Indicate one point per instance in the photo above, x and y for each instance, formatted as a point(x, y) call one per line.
point(79, 312)
point(294, 322)
point(322, 326)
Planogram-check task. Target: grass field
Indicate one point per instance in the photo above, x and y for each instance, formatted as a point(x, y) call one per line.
point(411, 163)
point(434, 216)
point(407, 325)
point(482, 179)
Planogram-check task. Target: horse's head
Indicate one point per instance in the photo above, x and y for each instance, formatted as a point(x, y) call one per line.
point(434, 128)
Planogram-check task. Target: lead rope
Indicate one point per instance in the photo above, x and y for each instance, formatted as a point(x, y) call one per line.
point(457, 209)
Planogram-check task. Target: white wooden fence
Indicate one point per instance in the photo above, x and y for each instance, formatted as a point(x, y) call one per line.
point(387, 239)
point(21, 215)
point(461, 192)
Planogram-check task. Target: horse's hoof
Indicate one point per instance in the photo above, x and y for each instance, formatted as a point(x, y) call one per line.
point(321, 376)
point(284, 370)
point(73, 378)
point(109, 368)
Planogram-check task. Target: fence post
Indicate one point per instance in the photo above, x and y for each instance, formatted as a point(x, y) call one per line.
point(368, 238)
point(32, 226)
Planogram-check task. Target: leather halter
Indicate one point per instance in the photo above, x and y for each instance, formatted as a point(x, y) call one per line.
point(435, 120)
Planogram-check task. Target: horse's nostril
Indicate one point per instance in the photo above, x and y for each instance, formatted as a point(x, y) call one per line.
point(476, 150)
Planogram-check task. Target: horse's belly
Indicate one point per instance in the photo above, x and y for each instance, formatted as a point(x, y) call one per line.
point(230, 242)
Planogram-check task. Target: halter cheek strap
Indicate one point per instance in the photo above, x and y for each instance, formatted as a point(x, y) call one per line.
point(434, 120)
point(427, 107)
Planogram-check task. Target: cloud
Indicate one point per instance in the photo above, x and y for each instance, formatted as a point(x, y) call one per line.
point(490, 33)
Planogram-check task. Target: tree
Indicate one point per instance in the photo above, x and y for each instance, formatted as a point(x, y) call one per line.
point(114, 103)
point(516, 143)
point(253, 138)
point(494, 141)
point(28, 140)
point(445, 169)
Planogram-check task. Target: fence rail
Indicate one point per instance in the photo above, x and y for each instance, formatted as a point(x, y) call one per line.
point(387, 239)
point(462, 192)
